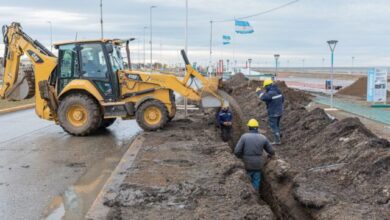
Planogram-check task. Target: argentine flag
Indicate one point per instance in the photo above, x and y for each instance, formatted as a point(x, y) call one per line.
point(243, 27)
point(226, 39)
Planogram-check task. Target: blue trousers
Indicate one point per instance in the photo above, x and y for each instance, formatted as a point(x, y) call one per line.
point(274, 123)
point(255, 179)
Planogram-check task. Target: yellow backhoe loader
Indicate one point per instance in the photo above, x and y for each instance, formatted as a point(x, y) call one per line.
point(86, 87)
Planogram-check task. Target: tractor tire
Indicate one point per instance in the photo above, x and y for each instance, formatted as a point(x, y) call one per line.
point(152, 115)
point(79, 114)
point(107, 123)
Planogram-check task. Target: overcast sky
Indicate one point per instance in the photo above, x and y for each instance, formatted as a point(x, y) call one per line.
point(297, 32)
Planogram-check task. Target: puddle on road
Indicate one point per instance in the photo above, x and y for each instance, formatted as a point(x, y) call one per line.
point(77, 199)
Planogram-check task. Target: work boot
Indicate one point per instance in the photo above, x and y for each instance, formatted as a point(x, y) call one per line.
point(277, 139)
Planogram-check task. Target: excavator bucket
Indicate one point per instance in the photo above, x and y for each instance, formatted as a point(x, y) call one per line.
point(24, 88)
point(209, 99)
point(209, 90)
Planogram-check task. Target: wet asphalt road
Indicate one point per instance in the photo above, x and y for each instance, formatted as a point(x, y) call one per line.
point(39, 162)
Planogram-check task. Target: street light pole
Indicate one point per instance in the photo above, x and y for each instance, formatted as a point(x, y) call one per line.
point(211, 50)
point(276, 64)
point(101, 18)
point(144, 45)
point(303, 65)
point(249, 66)
point(332, 46)
point(151, 39)
point(353, 59)
point(51, 36)
point(186, 49)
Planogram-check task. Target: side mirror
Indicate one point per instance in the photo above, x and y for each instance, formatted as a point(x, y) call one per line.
point(109, 48)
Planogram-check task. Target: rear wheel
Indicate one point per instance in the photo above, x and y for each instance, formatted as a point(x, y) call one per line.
point(107, 122)
point(174, 109)
point(152, 115)
point(79, 114)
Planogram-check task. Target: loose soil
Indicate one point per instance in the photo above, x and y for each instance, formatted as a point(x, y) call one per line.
point(326, 169)
point(186, 172)
point(358, 89)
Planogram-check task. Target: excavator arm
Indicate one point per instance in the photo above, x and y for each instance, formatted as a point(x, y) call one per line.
point(207, 93)
point(210, 85)
point(17, 85)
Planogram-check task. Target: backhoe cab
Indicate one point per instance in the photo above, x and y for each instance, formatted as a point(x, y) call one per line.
point(87, 86)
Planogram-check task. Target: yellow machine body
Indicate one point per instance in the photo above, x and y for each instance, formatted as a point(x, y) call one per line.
point(80, 104)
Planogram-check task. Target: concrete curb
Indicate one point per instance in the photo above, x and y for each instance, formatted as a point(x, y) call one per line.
point(17, 108)
point(98, 211)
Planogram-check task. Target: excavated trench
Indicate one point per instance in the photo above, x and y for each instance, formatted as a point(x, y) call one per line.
point(325, 169)
point(280, 208)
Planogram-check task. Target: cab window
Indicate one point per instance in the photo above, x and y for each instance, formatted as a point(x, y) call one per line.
point(116, 59)
point(93, 61)
point(68, 65)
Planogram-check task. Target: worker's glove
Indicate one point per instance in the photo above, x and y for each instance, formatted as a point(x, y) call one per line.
point(260, 94)
point(227, 123)
point(258, 89)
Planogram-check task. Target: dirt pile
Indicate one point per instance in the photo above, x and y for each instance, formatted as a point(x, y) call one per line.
point(327, 169)
point(358, 89)
point(186, 172)
point(243, 92)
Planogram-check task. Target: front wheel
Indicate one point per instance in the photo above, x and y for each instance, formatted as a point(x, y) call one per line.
point(79, 114)
point(152, 115)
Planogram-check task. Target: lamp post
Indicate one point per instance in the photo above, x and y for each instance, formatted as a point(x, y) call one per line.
point(353, 60)
point(186, 49)
point(303, 65)
point(211, 49)
point(249, 66)
point(51, 36)
point(101, 18)
point(145, 45)
point(151, 38)
point(277, 56)
point(332, 46)
point(227, 65)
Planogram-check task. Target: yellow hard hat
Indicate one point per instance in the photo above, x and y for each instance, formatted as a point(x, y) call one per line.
point(253, 123)
point(267, 82)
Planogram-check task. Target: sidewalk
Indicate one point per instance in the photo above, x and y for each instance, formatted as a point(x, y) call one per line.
point(379, 115)
point(381, 129)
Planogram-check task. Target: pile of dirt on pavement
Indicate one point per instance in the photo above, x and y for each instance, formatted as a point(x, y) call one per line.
point(186, 172)
point(358, 89)
point(326, 169)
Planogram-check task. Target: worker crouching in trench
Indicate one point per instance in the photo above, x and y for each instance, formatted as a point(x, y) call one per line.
point(224, 121)
point(250, 148)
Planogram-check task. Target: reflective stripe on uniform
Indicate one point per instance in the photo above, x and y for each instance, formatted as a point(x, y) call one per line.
point(277, 96)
